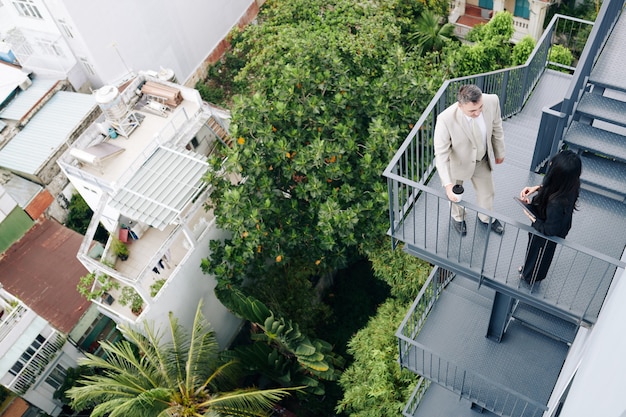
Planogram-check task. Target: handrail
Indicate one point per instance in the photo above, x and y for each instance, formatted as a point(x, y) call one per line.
point(579, 276)
point(415, 398)
point(607, 16)
point(504, 82)
point(470, 385)
point(473, 386)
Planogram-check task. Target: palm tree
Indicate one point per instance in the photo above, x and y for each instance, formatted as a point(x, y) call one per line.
point(141, 376)
point(430, 35)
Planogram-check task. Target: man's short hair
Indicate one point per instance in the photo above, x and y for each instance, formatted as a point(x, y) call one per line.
point(469, 94)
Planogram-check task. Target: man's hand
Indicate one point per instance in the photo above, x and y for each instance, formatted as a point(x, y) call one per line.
point(450, 194)
point(499, 160)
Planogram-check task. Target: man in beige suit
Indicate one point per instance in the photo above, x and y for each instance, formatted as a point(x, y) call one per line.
point(466, 134)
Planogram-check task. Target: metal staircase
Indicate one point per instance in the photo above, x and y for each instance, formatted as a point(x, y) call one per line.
point(598, 127)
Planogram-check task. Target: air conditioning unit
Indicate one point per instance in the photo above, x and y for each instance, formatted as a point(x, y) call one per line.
point(25, 84)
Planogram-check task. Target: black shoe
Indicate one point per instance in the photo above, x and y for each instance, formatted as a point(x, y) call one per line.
point(460, 227)
point(496, 226)
point(532, 288)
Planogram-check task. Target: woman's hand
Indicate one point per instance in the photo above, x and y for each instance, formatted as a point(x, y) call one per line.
point(527, 191)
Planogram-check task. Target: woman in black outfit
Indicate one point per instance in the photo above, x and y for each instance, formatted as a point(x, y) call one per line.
point(554, 204)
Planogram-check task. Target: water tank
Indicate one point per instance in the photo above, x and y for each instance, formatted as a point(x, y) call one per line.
point(111, 103)
point(167, 74)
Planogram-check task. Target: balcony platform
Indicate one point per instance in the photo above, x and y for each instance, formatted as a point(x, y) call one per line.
point(456, 330)
point(439, 402)
point(575, 284)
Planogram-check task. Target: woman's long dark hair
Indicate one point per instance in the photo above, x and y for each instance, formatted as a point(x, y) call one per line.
point(562, 182)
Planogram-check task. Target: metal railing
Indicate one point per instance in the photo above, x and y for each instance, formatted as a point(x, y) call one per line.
point(469, 385)
point(37, 363)
point(414, 161)
point(474, 387)
point(578, 278)
point(555, 121)
point(13, 317)
point(418, 393)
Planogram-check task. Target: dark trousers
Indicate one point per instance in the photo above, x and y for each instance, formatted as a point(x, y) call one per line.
point(539, 255)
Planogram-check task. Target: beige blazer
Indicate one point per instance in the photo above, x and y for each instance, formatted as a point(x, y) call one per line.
point(455, 152)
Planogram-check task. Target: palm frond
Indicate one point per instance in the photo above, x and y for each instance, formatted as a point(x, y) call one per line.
point(248, 402)
point(202, 352)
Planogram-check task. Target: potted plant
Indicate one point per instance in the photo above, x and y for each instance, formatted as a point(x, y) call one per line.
point(156, 287)
point(119, 249)
point(87, 289)
point(130, 296)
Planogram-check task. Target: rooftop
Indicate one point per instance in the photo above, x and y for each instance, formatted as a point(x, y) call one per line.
point(49, 129)
point(41, 270)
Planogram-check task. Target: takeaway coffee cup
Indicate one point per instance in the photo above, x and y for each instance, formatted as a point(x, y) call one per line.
point(458, 191)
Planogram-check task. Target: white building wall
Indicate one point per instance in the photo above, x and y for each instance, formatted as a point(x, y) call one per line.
point(41, 393)
point(15, 343)
point(184, 290)
point(111, 39)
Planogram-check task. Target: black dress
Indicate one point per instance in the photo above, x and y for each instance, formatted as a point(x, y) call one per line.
point(539, 252)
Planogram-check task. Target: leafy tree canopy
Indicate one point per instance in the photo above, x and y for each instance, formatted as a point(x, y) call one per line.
point(332, 96)
point(281, 352)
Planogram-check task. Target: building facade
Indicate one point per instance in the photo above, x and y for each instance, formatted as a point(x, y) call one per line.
point(108, 42)
point(140, 167)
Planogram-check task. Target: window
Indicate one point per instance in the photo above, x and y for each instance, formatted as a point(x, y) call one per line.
point(27, 355)
point(50, 48)
point(56, 377)
point(65, 29)
point(88, 67)
point(522, 9)
point(27, 8)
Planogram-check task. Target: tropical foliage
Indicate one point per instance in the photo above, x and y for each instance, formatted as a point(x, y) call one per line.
point(146, 376)
point(431, 34)
point(491, 49)
point(374, 385)
point(280, 351)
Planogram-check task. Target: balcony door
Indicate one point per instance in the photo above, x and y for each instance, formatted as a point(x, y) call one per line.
point(486, 4)
point(522, 9)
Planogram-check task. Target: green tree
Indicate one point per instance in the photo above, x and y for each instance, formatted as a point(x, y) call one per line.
point(560, 55)
point(522, 50)
point(404, 273)
point(491, 49)
point(334, 96)
point(145, 376)
point(430, 34)
point(374, 385)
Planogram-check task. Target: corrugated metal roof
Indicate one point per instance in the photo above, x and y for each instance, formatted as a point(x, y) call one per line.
point(46, 132)
point(42, 270)
point(25, 100)
point(162, 187)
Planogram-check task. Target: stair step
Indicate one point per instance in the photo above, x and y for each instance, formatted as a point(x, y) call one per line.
point(612, 60)
point(219, 131)
point(603, 108)
point(589, 138)
point(468, 289)
point(545, 323)
point(604, 176)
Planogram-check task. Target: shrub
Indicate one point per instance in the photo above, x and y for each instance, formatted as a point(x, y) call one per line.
point(562, 56)
point(522, 50)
